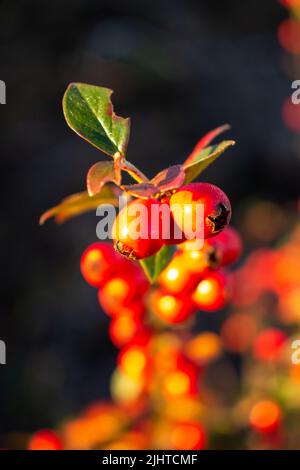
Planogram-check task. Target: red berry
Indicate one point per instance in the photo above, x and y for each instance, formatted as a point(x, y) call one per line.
point(188, 435)
point(216, 206)
point(265, 416)
point(45, 439)
point(171, 233)
point(212, 291)
point(268, 345)
point(124, 291)
point(177, 278)
point(98, 263)
point(224, 248)
point(125, 327)
point(171, 308)
point(136, 232)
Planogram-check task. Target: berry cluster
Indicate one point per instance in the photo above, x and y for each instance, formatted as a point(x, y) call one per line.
point(184, 201)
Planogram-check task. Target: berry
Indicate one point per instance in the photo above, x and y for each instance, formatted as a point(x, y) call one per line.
point(45, 439)
point(98, 263)
point(133, 361)
point(125, 327)
point(216, 206)
point(124, 291)
point(188, 435)
point(212, 291)
point(268, 345)
point(181, 378)
point(171, 233)
point(265, 416)
point(136, 233)
point(176, 278)
point(171, 308)
point(225, 248)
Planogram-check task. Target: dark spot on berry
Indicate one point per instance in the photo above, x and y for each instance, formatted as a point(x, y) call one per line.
point(219, 220)
point(213, 258)
point(124, 250)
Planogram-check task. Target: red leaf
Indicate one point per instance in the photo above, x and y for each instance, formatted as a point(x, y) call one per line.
point(206, 140)
point(170, 178)
point(98, 175)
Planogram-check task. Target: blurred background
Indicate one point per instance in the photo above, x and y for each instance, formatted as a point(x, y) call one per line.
point(178, 69)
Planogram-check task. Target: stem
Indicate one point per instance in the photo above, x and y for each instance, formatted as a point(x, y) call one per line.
point(134, 172)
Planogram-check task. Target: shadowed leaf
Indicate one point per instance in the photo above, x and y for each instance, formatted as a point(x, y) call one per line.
point(79, 203)
point(89, 112)
point(170, 178)
point(98, 175)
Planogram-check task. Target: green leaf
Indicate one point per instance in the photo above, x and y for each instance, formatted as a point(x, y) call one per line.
point(155, 264)
point(79, 203)
point(203, 159)
point(89, 112)
point(98, 175)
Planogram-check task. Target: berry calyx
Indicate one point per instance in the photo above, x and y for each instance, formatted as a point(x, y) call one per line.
point(216, 209)
point(136, 233)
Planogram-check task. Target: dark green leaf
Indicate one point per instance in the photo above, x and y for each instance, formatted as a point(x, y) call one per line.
point(89, 112)
point(155, 264)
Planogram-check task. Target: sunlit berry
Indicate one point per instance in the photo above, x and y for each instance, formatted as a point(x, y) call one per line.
point(98, 263)
point(181, 379)
point(134, 362)
point(124, 290)
point(171, 308)
point(212, 291)
point(136, 230)
point(265, 416)
point(185, 203)
point(125, 326)
point(177, 278)
point(204, 348)
point(188, 435)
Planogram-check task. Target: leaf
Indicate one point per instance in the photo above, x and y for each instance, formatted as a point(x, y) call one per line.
point(205, 141)
point(89, 112)
point(155, 264)
point(79, 203)
point(98, 175)
point(166, 180)
point(205, 158)
point(170, 178)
